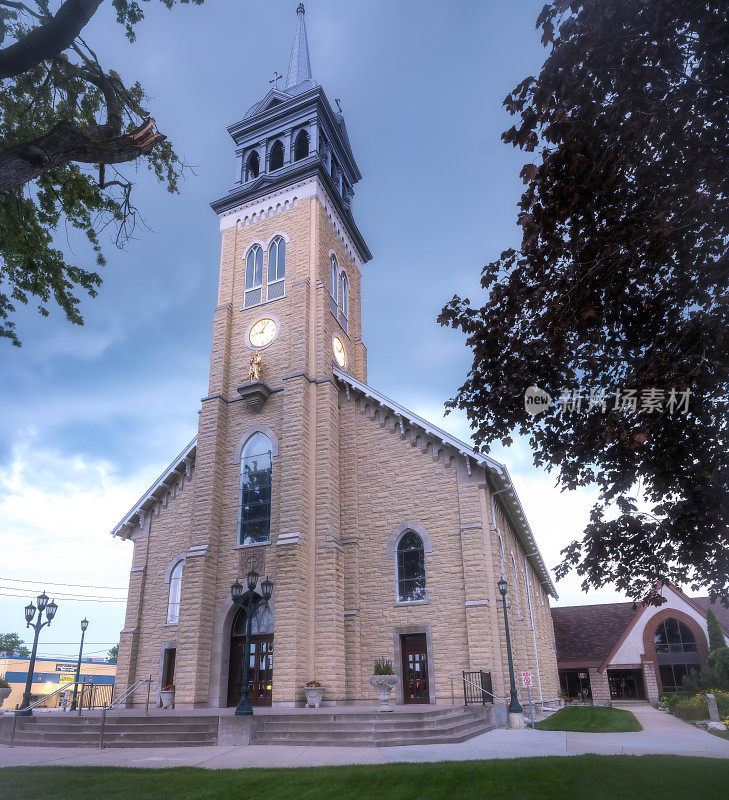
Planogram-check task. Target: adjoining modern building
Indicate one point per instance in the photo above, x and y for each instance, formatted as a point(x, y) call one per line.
point(384, 535)
point(618, 651)
point(50, 674)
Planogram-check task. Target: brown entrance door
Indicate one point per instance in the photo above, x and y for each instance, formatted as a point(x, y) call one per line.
point(260, 674)
point(415, 668)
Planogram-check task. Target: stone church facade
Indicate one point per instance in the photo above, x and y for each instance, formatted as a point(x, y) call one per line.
point(384, 536)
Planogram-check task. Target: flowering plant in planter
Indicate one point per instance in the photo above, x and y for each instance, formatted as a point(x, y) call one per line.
point(167, 696)
point(314, 693)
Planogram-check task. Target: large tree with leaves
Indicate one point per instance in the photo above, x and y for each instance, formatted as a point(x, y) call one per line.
point(67, 125)
point(621, 283)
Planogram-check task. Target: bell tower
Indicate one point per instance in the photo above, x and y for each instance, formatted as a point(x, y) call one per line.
point(288, 316)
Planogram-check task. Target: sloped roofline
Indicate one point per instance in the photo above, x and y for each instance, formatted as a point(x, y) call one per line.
point(496, 470)
point(179, 465)
point(633, 622)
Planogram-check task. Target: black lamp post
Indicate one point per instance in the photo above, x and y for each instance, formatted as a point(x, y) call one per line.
point(236, 592)
point(84, 625)
point(514, 704)
point(30, 609)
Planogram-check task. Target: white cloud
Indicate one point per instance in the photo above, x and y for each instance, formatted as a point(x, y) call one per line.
point(56, 515)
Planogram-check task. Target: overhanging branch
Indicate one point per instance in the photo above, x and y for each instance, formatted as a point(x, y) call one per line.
point(49, 39)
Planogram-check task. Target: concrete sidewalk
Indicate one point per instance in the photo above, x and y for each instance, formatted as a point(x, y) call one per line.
point(661, 734)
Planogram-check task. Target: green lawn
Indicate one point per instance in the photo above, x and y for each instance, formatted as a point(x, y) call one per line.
point(591, 719)
point(722, 734)
point(555, 777)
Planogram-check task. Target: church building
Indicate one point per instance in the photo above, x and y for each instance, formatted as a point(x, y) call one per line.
point(383, 535)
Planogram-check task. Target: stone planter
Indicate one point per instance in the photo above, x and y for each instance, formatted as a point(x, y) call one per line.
point(4, 694)
point(313, 696)
point(167, 699)
point(383, 685)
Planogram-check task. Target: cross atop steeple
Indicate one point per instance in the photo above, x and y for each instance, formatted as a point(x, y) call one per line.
point(299, 64)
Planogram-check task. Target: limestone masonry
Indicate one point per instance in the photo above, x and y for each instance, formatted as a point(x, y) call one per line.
point(384, 536)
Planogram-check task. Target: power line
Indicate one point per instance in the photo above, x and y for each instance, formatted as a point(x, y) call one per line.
point(66, 599)
point(55, 583)
point(65, 594)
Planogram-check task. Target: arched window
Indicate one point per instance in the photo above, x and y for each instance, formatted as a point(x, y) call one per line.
point(261, 622)
point(253, 166)
point(344, 300)
point(676, 653)
point(277, 268)
point(276, 157)
point(410, 568)
point(333, 281)
point(173, 603)
point(254, 276)
point(256, 467)
point(301, 145)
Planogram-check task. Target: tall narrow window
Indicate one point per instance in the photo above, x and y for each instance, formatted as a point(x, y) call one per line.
point(276, 157)
point(344, 300)
point(277, 268)
point(516, 586)
point(410, 568)
point(256, 469)
point(173, 603)
point(333, 281)
point(301, 145)
point(254, 276)
point(253, 166)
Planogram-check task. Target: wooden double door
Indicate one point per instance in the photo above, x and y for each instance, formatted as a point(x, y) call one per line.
point(415, 668)
point(260, 673)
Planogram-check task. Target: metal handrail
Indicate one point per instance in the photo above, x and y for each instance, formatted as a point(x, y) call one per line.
point(130, 690)
point(485, 691)
point(16, 712)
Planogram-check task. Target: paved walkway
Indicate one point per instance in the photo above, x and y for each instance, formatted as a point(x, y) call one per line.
point(661, 733)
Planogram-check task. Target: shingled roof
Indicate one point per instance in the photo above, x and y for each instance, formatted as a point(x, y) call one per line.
point(585, 635)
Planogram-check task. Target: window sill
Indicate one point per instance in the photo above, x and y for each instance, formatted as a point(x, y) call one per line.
point(263, 303)
point(412, 602)
point(170, 624)
point(251, 544)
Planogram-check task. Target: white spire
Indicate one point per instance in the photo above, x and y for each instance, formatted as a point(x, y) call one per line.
point(299, 64)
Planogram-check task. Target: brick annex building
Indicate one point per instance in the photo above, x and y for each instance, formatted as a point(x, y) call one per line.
point(384, 536)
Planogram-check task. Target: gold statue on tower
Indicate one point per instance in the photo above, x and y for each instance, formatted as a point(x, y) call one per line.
point(254, 374)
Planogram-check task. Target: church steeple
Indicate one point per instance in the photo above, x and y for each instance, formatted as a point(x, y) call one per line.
point(299, 63)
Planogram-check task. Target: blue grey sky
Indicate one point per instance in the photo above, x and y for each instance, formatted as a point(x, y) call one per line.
point(92, 414)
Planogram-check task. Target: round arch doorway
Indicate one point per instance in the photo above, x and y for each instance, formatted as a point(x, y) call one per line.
point(260, 673)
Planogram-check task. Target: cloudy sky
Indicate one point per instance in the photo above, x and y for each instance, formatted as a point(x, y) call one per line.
point(92, 414)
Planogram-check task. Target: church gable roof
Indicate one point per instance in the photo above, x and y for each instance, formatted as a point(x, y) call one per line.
point(498, 472)
point(182, 464)
point(586, 635)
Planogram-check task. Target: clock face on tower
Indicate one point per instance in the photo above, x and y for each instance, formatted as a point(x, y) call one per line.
point(340, 354)
point(262, 332)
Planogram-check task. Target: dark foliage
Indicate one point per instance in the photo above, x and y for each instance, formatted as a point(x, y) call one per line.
point(620, 283)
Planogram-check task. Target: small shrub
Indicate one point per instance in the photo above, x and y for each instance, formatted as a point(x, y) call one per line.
point(383, 667)
point(670, 699)
point(4, 684)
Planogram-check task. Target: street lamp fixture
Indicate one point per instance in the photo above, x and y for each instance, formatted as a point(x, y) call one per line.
point(514, 704)
point(30, 612)
point(236, 593)
point(84, 625)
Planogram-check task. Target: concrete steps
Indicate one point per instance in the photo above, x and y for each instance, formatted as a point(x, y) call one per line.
point(372, 729)
point(56, 731)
